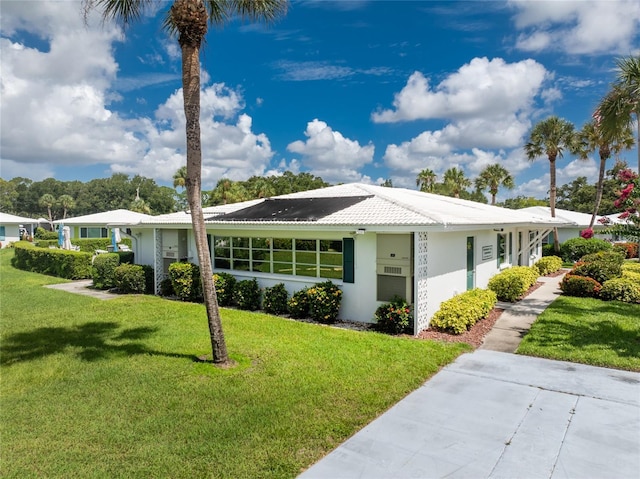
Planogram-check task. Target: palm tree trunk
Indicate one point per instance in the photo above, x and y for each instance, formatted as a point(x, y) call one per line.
point(191, 94)
point(600, 187)
point(552, 200)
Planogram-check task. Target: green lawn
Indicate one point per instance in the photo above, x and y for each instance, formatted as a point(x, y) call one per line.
point(589, 331)
point(109, 389)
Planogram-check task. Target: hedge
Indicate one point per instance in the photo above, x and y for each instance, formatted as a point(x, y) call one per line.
point(513, 283)
point(458, 314)
point(53, 262)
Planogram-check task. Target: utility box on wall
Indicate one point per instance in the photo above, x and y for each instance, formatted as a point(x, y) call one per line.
point(174, 247)
point(394, 266)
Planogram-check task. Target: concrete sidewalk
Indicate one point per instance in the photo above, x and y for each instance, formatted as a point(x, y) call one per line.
point(517, 318)
point(83, 286)
point(491, 414)
point(498, 415)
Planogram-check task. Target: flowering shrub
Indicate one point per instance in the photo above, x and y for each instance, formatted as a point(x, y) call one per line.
point(393, 317)
point(587, 233)
point(581, 286)
point(275, 299)
point(629, 249)
point(299, 304)
point(324, 302)
point(225, 284)
point(185, 279)
point(629, 202)
point(247, 294)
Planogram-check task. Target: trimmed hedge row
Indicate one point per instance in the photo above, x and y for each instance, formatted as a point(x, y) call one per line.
point(458, 314)
point(87, 245)
point(53, 262)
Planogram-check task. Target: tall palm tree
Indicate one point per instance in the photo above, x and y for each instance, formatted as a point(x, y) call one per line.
point(48, 201)
point(67, 203)
point(188, 20)
point(426, 180)
point(455, 181)
point(492, 177)
point(551, 137)
point(180, 177)
point(617, 108)
point(593, 137)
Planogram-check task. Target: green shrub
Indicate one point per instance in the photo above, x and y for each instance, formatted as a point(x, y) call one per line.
point(629, 266)
point(601, 266)
point(166, 288)
point(393, 317)
point(548, 265)
point(324, 302)
point(629, 249)
point(54, 262)
point(581, 286)
point(512, 283)
point(275, 299)
point(225, 284)
point(633, 276)
point(104, 267)
point(458, 314)
point(42, 234)
point(621, 289)
point(246, 294)
point(575, 248)
point(186, 282)
point(299, 304)
point(548, 250)
point(130, 279)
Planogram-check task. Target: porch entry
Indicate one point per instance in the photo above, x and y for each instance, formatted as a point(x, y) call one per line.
point(471, 263)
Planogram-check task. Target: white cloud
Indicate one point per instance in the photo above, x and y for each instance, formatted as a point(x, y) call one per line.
point(59, 97)
point(577, 27)
point(539, 187)
point(327, 153)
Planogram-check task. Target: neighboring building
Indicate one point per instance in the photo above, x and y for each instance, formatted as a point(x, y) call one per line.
point(575, 223)
point(13, 227)
point(374, 242)
point(98, 225)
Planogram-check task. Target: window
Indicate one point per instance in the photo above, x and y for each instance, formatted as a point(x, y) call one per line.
point(2, 233)
point(95, 232)
point(300, 257)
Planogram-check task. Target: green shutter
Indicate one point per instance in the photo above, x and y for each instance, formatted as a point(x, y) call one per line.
point(348, 260)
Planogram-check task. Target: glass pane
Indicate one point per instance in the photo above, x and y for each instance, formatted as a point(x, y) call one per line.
point(261, 255)
point(240, 242)
point(306, 270)
point(262, 266)
point(240, 253)
point(334, 246)
point(260, 243)
point(221, 242)
point(282, 268)
point(282, 244)
point(222, 252)
point(283, 256)
point(222, 263)
point(306, 257)
point(333, 273)
point(240, 265)
point(305, 245)
point(331, 259)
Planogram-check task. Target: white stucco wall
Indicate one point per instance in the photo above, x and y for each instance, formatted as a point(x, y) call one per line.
point(11, 234)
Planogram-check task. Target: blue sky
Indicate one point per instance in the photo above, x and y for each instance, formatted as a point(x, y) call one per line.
point(347, 90)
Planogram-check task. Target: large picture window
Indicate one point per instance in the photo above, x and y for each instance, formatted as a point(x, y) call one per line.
point(86, 232)
point(299, 257)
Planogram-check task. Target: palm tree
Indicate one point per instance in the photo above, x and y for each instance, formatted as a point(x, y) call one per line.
point(180, 177)
point(551, 137)
point(455, 181)
point(261, 188)
point(48, 201)
point(426, 180)
point(492, 177)
point(593, 137)
point(617, 108)
point(189, 20)
point(67, 203)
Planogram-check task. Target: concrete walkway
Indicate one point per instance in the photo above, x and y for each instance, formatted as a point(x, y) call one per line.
point(492, 414)
point(83, 286)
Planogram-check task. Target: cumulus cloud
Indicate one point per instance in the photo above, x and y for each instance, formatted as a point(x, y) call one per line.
point(327, 153)
point(584, 27)
point(539, 187)
point(58, 97)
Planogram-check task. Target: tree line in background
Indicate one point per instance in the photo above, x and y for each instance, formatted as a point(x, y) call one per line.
point(55, 200)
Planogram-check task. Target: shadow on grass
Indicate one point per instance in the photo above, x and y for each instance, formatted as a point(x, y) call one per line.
point(578, 326)
point(91, 341)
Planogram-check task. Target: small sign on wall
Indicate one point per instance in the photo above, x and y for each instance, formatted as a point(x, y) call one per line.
point(487, 253)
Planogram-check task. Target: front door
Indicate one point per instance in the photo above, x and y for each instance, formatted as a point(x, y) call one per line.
point(471, 263)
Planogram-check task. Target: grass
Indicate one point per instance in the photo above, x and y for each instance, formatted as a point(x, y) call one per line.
point(113, 389)
point(589, 331)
